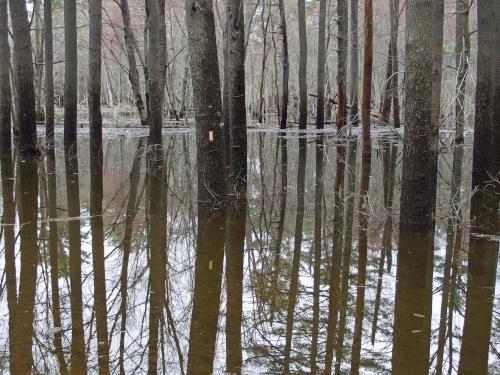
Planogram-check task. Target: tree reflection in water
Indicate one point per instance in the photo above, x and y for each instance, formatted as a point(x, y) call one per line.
point(275, 280)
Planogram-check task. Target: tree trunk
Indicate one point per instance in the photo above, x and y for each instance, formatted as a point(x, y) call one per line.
point(39, 31)
point(302, 65)
point(394, 9)
point(367, 75)
point(286, 67)
point(156, 66)
point(96, 183)
point(354, 63)
point(343, 27)
point(5, 91)
point(23, 70)
point(207, 101)
point(133, 74)
point(70, 73)
point(419, 155)
point(320, 109)
point(236, 96)
point(462, 55)
point(49, 74)
point(265, 26)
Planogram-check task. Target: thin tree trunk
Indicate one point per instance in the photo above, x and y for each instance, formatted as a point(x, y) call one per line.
point(302, 65)
point(320, 109)
point(354, 63)
point(38, 55)
point(394, 9)
point(49, 74)
point(367, 75)
point(286, 67)
point(343, 27)
point(70, 73)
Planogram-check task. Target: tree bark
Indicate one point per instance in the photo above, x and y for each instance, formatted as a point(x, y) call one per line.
point(419, 154)
point(38, 55)
point(156, 69)
point(462, 55)
point(302, 65)
point(70, 73)
point(207, 101)
point(286, 67)
point(5, 90)
point(367, 75)
point(320, 106)
point(23, 70)
point(49, 74)
point(343, 27)
point(354, 96)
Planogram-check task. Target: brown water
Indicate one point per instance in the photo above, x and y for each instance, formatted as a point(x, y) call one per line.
point(286, 281)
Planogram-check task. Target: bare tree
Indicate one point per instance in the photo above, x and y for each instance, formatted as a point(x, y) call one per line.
point(5, 91)
point(343, 27)
point(354, 63)
point(49, 74)
point(286, 67)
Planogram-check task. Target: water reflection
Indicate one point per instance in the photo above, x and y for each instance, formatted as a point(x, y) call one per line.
point(115, 263)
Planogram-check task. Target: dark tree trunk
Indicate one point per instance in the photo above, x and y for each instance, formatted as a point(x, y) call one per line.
point(38, 55)
point(343, 27)
point(418, 193)
point(5, 91)
point(49, 74)
point(23, 71)
point(70, 73)
point(320, 109)
point(394, 10)
point(286, 68)
point(236, 99)
point(207, 101)
point(133, 74)
point(367, 75)
point(96, 183)
point(302, 65)
point(354, 63)
point(156, 69)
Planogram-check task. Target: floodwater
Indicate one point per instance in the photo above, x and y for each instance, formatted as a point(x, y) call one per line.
point(310, 271)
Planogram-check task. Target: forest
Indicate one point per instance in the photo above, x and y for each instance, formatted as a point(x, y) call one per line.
point(250, 187)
